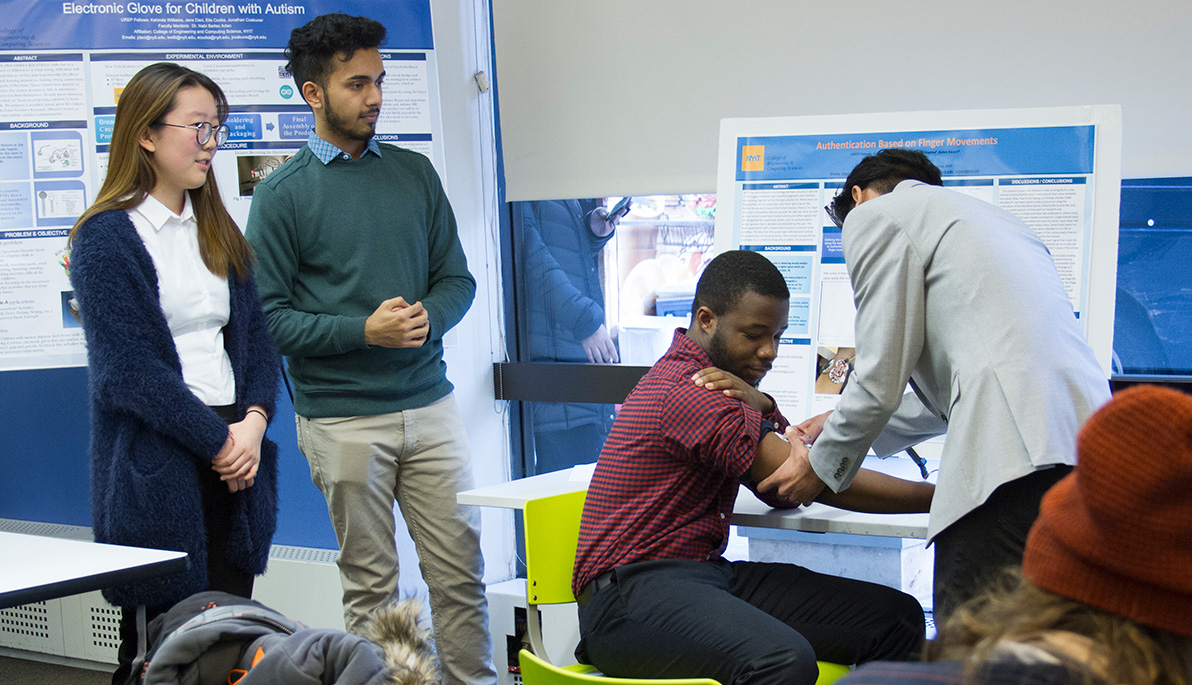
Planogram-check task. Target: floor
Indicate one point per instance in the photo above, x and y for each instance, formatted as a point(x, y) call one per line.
point(15, 671)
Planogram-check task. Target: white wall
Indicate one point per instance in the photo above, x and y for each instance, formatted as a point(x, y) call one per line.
point(618, 97)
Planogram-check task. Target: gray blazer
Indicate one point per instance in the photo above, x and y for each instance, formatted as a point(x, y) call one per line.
point(961, 300)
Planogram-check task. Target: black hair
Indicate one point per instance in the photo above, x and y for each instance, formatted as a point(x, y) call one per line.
point(313, 45)
point(731, 275)
point(882, 172)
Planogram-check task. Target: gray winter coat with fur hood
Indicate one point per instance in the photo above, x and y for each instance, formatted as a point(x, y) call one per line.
point(214, 637)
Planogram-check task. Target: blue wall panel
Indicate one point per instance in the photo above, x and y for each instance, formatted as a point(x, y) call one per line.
point(46, 469)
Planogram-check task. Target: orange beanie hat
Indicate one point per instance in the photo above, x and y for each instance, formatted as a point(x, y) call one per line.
point(1116, 533)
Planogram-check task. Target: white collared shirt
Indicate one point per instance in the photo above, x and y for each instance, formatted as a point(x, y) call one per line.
point(195, 301)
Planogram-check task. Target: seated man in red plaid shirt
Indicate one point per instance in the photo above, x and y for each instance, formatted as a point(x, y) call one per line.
point(656, 598)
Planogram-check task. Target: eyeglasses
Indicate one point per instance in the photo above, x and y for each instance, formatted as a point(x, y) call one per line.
point(204, 130)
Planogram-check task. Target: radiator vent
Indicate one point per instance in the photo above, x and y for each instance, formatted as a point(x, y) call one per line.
point(105, 627)
point(309, 554)
point(53, 530)
point(36, 627)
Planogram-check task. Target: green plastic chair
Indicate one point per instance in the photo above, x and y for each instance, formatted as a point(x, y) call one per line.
point(552, 535)
point(535, 671)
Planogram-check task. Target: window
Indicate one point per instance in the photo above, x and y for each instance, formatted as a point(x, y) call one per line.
point(588, 291)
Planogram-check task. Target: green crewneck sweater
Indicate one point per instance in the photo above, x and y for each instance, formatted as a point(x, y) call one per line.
point(332, 242)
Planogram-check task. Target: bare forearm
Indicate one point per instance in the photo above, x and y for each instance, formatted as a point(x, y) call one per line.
point(879, 493)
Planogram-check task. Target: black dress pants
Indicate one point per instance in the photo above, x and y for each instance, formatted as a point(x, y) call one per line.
point(970, 553)
point(741, 622)
point(218, 504)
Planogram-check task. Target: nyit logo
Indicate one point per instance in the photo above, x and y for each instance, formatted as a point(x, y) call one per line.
point(753, 158)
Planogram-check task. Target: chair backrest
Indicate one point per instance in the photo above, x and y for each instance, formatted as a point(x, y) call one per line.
point(552, 533)
point(535, 671)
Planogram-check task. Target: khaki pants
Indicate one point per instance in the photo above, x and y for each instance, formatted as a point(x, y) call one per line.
point(418, 457)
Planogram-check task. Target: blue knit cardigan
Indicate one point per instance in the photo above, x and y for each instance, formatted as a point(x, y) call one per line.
point(149, 433)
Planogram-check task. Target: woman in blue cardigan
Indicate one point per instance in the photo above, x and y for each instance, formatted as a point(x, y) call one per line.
point(183, 372)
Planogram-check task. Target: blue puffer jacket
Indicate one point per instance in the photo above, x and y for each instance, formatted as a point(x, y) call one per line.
point(149, 433)
point(564, 300)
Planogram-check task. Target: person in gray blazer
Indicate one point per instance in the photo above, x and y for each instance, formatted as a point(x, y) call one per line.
point(962, 301)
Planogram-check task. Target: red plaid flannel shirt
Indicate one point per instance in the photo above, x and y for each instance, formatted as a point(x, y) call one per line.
point(666, 482)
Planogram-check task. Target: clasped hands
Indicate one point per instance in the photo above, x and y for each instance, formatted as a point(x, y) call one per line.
point(397, 323)
point(238, 459)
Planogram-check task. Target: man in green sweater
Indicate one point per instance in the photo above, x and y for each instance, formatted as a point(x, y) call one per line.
point(361, 272)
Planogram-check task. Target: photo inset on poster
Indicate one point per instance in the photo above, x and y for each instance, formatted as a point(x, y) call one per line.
point(834, 367)
point(70, 311)
point(252, 169)
point(59, 203)
point(57, 154)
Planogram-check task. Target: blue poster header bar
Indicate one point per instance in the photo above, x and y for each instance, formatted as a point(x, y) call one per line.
point(184, 55)
point(1045, 181)
point(35, 233)
point(178, 55)
point(42, 58)
point(780, 186)
point(402, 137)
point(39, 125)
point(980, 152)
point(779, 248)
point(968, 182)
point(212, 25)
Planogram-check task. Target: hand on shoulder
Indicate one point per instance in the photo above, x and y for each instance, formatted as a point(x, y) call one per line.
point(713, 378)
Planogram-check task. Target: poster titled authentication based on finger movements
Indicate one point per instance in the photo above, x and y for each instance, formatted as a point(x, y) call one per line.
point(62, 68)
point(1058, 170)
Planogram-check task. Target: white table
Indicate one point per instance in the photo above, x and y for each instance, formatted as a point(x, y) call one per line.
point(748, 511)
point(515, 493)
point(35, 568)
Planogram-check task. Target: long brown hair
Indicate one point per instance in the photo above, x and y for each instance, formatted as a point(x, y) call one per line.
point(1016, 610)
point(149, 96)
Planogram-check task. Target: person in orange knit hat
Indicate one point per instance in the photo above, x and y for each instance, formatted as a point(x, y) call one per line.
point(1104, 594)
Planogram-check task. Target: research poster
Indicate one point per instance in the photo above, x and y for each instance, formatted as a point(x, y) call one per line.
point(62, 68)
point(1058, 170)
